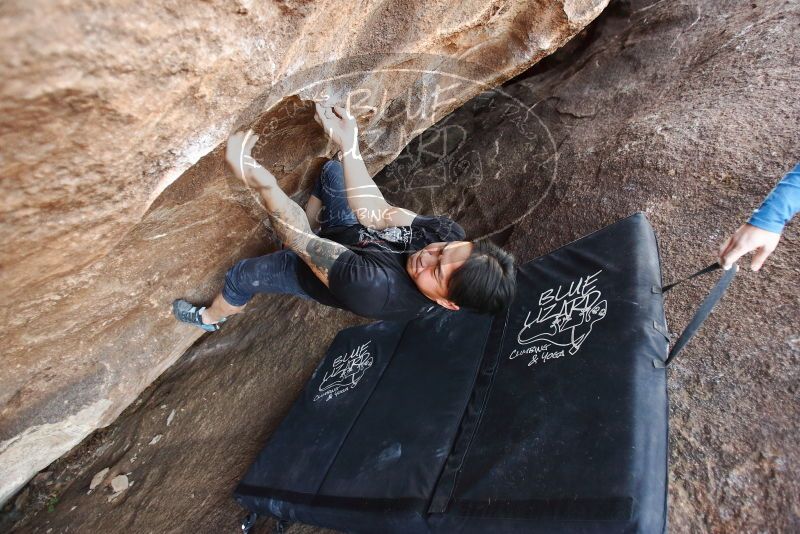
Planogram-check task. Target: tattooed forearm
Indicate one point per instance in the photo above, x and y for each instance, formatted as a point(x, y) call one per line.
point(291, 224)
point(324, 252)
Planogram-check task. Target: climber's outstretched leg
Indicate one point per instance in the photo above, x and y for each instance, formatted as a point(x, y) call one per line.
point(273, 273)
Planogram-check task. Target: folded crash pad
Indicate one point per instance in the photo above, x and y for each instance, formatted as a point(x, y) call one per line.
point(549, 417)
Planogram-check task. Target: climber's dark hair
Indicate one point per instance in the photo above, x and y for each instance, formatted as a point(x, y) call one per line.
point(487, 281)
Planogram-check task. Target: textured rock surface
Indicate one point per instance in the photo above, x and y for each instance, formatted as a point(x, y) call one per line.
point(104, 106)
point(684, 110)
point(227, 394)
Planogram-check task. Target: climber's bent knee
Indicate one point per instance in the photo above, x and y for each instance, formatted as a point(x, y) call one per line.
point(234, 291)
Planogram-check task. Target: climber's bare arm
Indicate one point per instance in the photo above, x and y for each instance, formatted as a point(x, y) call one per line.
point(288, 219)
point(291, 224)
point(313, 210)
point(365, 198)
point(363, 194)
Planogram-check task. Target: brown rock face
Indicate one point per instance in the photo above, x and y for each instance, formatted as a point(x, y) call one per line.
point(116, 200)
point(685, 111)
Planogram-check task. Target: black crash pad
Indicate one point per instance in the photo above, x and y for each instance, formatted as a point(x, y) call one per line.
point(550, 417)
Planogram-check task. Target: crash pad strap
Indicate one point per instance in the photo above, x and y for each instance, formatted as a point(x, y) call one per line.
point(571, 509)
point(711, 268)
point(334, 501)
point(705, 308)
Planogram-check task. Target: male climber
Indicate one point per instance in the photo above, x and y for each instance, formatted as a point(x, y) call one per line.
point(371, 258)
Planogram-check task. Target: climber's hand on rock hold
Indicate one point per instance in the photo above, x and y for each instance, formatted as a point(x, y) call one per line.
point(244, 166)
point(237, 150)
point(339, 125)
point(745, 240)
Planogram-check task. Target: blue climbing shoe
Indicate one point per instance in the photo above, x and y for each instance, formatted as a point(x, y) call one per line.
point(188, 313)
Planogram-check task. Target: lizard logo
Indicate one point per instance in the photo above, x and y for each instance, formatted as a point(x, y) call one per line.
point(563, 321)
point(346, 373)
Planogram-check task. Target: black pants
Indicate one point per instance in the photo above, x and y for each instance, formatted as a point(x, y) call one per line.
point(277, 272)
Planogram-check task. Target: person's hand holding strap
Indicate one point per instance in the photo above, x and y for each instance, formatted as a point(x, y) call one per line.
point(746, 239)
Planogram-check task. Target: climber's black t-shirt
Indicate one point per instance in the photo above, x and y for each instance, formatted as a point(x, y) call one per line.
point(370, 278)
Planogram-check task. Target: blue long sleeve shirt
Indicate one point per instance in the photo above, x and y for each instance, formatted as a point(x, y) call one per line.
point(780, 205)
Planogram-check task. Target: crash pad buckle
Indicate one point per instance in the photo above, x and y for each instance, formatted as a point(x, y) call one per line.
point(248, 522)
point(662, 329)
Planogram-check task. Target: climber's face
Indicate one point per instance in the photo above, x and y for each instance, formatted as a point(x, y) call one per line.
point(432, 267)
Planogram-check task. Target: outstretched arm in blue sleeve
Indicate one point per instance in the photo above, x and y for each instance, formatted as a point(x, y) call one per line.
point(763, 231)
point(780, 205)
